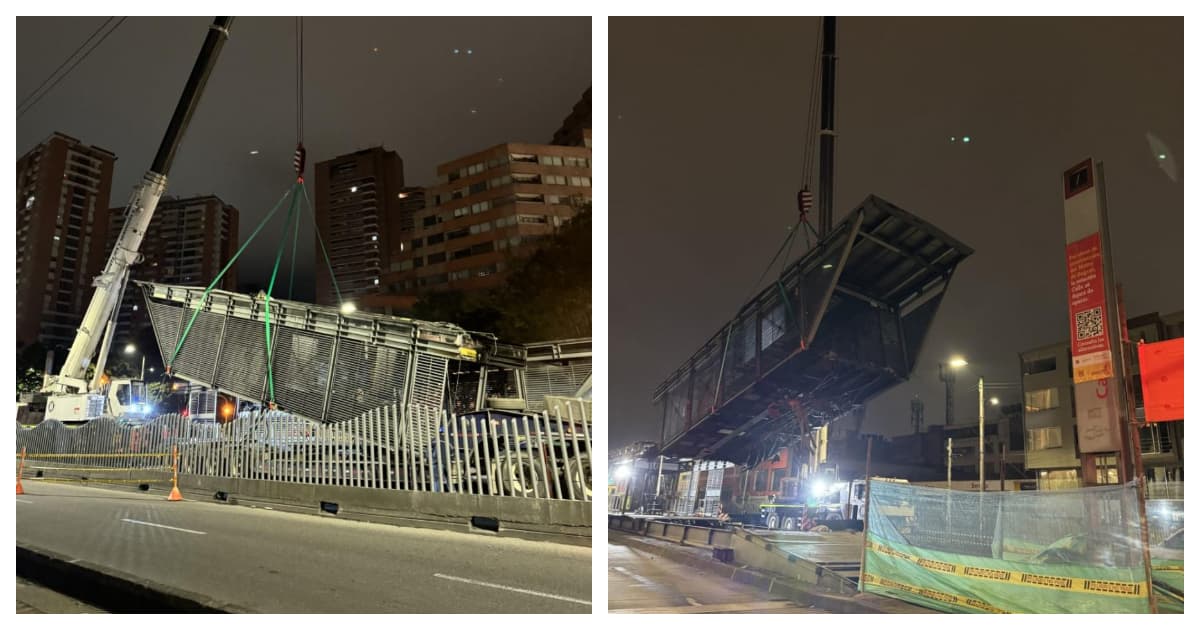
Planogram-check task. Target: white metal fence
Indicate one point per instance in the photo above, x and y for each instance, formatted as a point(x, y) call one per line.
point(419, 448)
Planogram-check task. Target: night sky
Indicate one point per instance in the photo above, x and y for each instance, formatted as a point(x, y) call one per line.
point(707, 128)
point(415, 96)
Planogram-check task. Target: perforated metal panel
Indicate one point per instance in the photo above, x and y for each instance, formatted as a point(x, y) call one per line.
point(165, 320)
point(243, 368)
point(554, 379)
point(429, 388)
point(366, 377)
point(198, 355)
point(302, 371)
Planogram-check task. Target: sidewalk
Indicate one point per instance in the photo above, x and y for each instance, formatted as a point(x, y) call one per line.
point(36, 599)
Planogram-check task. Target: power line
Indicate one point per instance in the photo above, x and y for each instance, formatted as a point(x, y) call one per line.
point(64, 63)
point(22, 112)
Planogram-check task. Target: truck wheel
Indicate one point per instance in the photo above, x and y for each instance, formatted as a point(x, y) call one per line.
point(773, 521)
point(789, 523)
point(580, 481)
point(517, 476)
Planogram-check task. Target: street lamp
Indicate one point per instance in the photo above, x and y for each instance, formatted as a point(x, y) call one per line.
point(131, 349)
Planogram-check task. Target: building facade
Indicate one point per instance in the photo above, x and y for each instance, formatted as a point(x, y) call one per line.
point(190, 240)
point(489, 208)
point(361, 207)
point(63, 189)
point(576, 129)
point(1051, 433)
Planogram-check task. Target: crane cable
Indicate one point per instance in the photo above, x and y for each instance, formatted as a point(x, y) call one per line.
point(297, 192)
point(809, 150)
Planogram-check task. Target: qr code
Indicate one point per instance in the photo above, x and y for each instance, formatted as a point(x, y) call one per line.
point(1088, 324)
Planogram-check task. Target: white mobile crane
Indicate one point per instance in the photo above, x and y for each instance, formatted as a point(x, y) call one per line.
point(69, 396)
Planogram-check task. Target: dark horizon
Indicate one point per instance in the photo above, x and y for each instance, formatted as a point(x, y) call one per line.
point(708, 122)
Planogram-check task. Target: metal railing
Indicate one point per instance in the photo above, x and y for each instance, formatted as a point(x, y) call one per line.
point(417, 448)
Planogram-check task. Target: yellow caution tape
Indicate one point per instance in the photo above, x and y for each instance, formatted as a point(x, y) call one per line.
point(948, 598)
point(108, 481)
point(1058, 582)
point(76, 455)
point(90, 469)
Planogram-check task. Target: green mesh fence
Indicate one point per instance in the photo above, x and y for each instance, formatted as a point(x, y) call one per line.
point(1066, 551)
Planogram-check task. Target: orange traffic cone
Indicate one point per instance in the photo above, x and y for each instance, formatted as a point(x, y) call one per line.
point(175, 495)
point(21, 471)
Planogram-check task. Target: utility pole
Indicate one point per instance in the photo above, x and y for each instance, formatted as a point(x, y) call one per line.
point(949, 459)
point(828, 69)
point(982, 475)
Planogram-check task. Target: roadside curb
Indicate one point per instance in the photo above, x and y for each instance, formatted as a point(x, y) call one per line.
point(109, 589)
point(775, 585)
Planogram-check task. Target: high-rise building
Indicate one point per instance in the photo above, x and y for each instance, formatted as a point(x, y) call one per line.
point(63, 188)
point(188, 242)
point(359, 197)
point(576, 129)
point(490, 207)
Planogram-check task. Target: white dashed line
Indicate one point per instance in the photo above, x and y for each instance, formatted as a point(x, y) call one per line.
point(178, 529)
point(514, 589)
point(23, 501)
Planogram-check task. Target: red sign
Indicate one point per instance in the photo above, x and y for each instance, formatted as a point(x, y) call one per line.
point(1162, 379)
point(1091, 353)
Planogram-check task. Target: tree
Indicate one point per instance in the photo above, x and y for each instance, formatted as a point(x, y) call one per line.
point(548, 294)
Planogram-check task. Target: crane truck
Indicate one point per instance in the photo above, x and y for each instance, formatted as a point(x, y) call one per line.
point(69, 396)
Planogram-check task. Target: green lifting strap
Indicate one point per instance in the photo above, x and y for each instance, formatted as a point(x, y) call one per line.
point(321, 242)
point(203, 298)
point(295, 239)
point(271, 287)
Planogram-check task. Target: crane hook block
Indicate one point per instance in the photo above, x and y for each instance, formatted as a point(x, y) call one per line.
point(298, 159)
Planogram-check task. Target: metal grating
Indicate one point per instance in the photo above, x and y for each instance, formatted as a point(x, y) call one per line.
point(198, 355)
point(366, 377)
point(302, 371)
point(243, 368)
point(165, 320)
point(430, 383)
point(550, 379)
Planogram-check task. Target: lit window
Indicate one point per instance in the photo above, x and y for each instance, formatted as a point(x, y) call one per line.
point(1041, 400)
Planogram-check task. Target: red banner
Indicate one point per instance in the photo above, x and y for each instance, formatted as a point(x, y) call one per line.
point(1162, 379)
point(1091, 353)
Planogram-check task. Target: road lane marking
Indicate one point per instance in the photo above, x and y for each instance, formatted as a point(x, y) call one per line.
point(634, 576)
point(513, 589)
point(178, 529)
point(759, 606)
point(693, 602)
point(23, 501)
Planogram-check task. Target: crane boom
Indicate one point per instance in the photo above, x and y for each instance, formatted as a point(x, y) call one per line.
point(110, 283)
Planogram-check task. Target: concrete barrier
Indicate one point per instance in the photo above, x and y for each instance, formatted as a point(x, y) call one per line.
point(548, 515)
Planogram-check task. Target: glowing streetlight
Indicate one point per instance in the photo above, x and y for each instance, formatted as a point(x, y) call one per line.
point(995, 401)
point(957, 362)
point(348, 307)
point(130, 349)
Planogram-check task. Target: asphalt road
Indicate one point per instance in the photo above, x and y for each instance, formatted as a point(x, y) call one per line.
point(641, 582)
point(276, 562)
